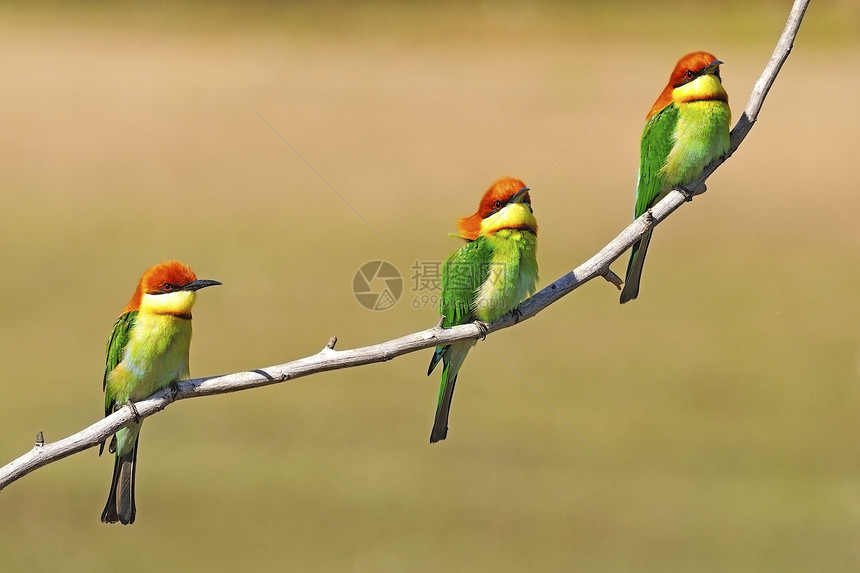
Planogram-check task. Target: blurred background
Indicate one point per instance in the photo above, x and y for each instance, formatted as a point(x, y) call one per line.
point(710, 425)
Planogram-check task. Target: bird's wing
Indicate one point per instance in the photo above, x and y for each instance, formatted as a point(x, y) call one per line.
point(462, 275)
point(116, 347)
point(657, 142)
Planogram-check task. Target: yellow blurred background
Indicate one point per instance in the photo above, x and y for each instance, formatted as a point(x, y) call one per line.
point(277, 148)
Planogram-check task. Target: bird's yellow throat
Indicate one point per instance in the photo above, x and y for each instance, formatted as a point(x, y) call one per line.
point(703, 88)
point(177, 303)
point(512, 216)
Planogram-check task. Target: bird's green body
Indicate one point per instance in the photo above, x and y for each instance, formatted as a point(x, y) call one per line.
point(147, 352)
point(698, 132)
point(679, 140)
point(484, 279)
point(148, 349)
point(489, 276)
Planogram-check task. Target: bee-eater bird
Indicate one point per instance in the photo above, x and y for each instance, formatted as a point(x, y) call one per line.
point(147, 350)
point(485, 278)
point(687, 128)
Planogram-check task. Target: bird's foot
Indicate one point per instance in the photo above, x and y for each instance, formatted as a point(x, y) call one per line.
point(134, 411)
point(517, 315)
point(174, 390)
point(483, 327)
point(690, 193)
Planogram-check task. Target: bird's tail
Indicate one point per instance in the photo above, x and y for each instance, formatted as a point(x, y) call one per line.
point(120, 503)
point(634, 268)
point(440, 425)
point(453, 357)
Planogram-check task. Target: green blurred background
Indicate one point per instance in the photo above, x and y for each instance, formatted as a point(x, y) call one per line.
point(723, 404)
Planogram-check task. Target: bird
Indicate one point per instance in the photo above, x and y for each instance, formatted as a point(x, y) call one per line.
point(147, 351)
point(686, 128)
point(485, 278)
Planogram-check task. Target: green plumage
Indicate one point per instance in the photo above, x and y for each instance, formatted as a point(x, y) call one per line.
point(119, 337)
point(145, 353)
point(482, 280)
point(657, 141)
point(677, 143)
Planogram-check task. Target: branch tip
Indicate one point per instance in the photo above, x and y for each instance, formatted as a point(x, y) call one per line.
point(331, 342)
point(40, 439)
point(611, 277)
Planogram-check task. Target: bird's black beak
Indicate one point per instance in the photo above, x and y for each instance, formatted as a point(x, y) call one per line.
point(518, 196)
point(199, 284)
point(710, 68)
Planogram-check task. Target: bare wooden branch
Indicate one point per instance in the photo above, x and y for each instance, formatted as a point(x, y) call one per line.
point(330, 359)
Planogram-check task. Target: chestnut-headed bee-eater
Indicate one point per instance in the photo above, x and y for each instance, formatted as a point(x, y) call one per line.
point(485, 278)
point(147, 350)
point(687, 128)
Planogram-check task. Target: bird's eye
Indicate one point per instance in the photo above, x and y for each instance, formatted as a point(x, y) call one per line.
point(498, 205)
point(167, 287)
point(689, 75)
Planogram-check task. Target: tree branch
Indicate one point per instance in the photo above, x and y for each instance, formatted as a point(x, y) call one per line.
point(330, 359)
